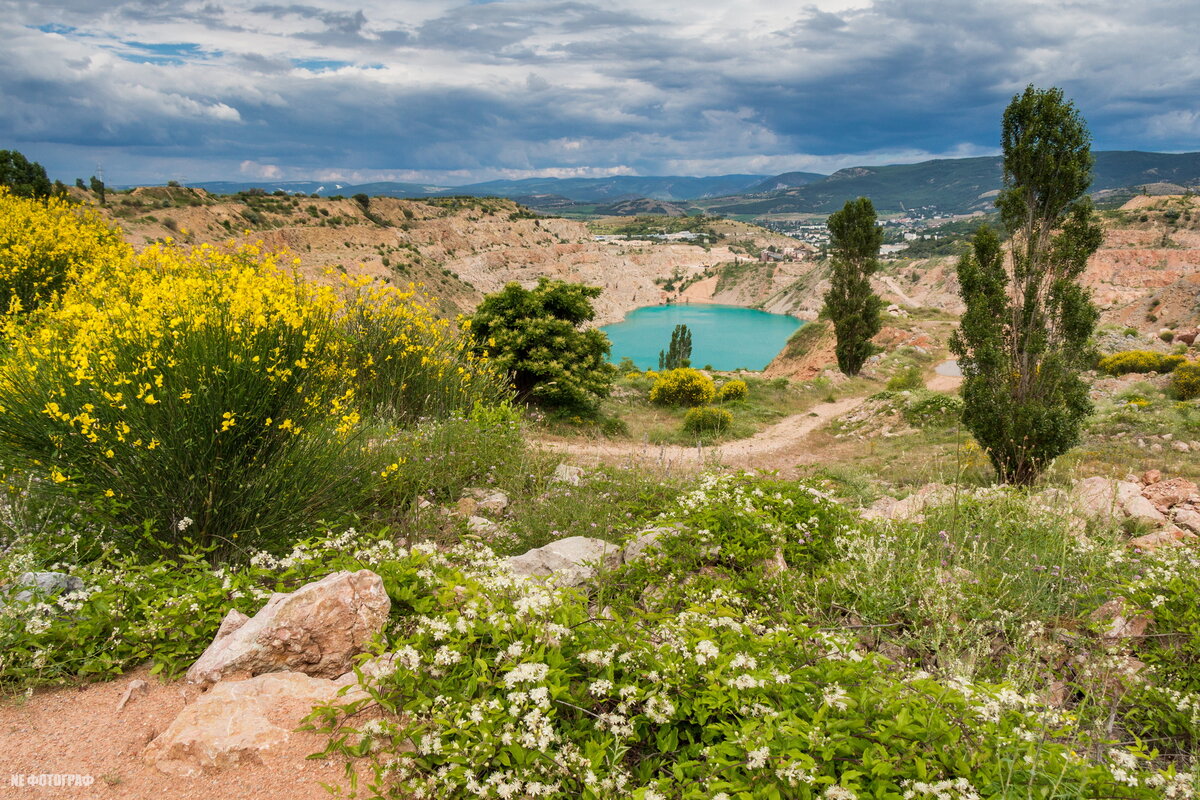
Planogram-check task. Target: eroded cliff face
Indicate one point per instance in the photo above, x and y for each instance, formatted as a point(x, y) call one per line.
point(1146, 275)
point(458, 250)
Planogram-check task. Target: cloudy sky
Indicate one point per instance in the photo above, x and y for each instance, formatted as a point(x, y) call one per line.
point(454, 91)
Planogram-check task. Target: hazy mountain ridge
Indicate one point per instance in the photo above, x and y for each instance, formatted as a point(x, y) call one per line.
point(953, 186)
point(579, 190)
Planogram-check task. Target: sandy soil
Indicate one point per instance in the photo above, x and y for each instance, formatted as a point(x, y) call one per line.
point(778, 447)
point(78, 731)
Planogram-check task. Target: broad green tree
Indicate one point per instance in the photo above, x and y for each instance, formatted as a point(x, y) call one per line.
point(23, 177)
point(1023, 339)
point(534, 335)
point(850, 303)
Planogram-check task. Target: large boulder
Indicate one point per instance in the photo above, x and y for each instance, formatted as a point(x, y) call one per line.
point(237, 722)
point(316, 630)
point(568, 562)
point(643, 541)
point(1142, 510)
point(1101, 498)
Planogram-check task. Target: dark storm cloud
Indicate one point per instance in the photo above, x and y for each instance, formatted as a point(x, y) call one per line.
point(481, 89)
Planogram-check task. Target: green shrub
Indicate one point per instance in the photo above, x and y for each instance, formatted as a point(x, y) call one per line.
point(930, 409)
point(733, 390)
point(501, 683)
point(165, 611)
point(1185, 384)
point(683, 387)
point(536, 337)
point(1139, 361)
point(906, 379)
point(706, 419)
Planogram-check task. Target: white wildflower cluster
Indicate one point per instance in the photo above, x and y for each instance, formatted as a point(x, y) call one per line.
point(835, 696)
point(950, 789)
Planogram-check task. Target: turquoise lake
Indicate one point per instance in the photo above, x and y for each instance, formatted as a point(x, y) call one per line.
point(728, 337)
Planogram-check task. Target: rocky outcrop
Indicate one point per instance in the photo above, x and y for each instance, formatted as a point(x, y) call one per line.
point(237, 722)
point(316, 630)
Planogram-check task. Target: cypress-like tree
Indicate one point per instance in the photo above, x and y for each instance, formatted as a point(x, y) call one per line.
point(679, 352)
point(1023, 340)
point(854, 241)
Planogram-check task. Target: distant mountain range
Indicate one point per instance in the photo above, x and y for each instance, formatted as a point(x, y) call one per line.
point(950, 186)
point(578, 190)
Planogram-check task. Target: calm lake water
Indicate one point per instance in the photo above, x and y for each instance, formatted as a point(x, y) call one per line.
point(728, 337)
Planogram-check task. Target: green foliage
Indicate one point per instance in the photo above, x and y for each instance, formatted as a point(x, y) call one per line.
point(1185, 384)
point(131, 610)
point(533, 335)
point(23, 177)
point(1167, 593)
point(854, 241)
point(709, 689)
point(97, 187)
point(1023, 396)
point(679, 353)
point(683, 387)
point(1140, 361)
point(707, 420)
point(733, 390)
point(905, 379)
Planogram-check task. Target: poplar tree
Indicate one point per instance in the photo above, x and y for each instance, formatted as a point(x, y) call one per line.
point(679, 352)
point(850, 303)
point(1023, 340)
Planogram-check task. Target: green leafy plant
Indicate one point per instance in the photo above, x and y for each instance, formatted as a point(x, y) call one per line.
point(707, 420)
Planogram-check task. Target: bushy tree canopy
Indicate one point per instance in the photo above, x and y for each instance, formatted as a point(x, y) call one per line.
point(534, 336)
point(850, 303)
point(1023, 339)
point(24, 177)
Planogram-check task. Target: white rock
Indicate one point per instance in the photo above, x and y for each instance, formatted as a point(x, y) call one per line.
point(1187, 519)
point(568, 562)
point(236, 722)
point(316, 629)
point(641, 542)
point(565, 473)
point(1141, 509)
point(1100, 497)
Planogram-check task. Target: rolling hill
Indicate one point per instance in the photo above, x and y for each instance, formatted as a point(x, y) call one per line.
point(950, 186)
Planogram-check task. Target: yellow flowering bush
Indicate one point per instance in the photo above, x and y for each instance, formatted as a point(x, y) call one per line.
point(683, 387)
point(44, 245)
point(217, 394)
point(735, 389)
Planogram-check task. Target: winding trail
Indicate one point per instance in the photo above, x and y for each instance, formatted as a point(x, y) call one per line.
point(779, 446)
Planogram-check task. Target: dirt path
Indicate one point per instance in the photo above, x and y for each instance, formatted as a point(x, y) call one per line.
point(78, 731)
point(778, 447)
